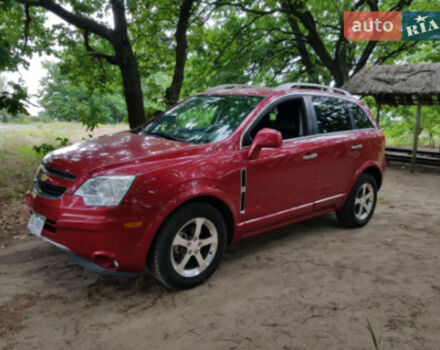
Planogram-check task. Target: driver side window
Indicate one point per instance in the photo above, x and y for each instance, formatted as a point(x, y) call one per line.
point(287, 117)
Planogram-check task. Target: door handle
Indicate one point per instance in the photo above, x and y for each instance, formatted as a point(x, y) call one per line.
point(310, 156)
point(358, 146)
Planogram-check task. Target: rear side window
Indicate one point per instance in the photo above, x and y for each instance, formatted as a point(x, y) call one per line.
point(360, 118)
point(332, 114)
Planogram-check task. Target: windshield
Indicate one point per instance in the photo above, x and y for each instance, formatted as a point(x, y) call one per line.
point(203, 119)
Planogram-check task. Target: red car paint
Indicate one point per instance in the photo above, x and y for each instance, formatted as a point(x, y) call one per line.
point(281, 188)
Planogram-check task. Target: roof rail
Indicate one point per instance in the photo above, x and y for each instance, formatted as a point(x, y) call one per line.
point(232, 86)
point(287, 86)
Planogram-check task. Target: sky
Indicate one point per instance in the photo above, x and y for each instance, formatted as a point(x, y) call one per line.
point(31, 79)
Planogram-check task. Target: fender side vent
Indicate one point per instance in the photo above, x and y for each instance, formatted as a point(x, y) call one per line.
point(243, 176)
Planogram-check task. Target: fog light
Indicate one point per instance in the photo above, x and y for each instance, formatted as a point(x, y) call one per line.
point(134, 224)
point(105, 261)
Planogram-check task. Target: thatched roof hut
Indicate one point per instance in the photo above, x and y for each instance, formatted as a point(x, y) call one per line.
point(400, 84)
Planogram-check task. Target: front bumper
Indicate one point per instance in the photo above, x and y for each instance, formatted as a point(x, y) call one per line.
point(88, 265)
point(95, 238)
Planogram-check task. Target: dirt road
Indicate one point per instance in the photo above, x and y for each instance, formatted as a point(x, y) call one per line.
point(312, 285)
point(8, 127)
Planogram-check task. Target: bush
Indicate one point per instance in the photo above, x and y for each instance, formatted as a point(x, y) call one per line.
point(46, 148)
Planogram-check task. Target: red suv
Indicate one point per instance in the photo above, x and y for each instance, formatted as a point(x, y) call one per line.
point(218, 167)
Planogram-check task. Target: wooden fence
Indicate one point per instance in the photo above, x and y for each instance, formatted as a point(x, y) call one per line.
point(404, 155)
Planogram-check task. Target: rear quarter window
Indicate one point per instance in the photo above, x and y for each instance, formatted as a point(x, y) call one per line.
point(360, 118)
point(332, 114)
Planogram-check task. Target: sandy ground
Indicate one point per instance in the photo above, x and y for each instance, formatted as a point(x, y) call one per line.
point(311, 285)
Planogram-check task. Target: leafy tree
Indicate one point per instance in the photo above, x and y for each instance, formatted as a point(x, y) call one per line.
point(112, 45)
point(12, 97)
point(399, 121)
point(312, 31)
point(63, 100)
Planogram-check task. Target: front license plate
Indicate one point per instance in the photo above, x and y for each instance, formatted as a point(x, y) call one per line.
point(36, 224)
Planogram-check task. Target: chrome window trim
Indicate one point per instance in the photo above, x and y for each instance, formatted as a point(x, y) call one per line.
point(320, 135)
point(301, 94)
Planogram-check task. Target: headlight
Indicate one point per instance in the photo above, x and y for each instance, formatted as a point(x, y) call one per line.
point(105, 191)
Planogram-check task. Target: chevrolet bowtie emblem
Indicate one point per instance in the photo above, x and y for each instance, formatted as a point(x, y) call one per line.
point(42, 176)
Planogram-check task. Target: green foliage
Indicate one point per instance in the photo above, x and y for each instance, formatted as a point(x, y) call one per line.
point(68, 101)
point(398, 124)
point(154, 86)
point(226, 45)
point(12, 102)
point(46, 148)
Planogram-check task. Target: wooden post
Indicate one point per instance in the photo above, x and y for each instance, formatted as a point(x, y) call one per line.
point(416, 137)
point(379, 105)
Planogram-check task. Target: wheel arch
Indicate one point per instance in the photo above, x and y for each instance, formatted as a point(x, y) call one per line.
point(375, 173)
point(222, 207)
point(213, 200)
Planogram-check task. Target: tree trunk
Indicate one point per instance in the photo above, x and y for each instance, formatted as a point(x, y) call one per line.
point(172, 93)
point(126, 61)
point(132, 85)
point(416, 137)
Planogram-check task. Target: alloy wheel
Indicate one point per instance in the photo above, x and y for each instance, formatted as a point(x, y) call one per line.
point(194, 247)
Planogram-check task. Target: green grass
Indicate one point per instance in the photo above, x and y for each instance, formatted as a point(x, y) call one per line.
point(407, 139)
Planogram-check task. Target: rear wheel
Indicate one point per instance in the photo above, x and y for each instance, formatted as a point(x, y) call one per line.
point(360, 204)
point(189, 246)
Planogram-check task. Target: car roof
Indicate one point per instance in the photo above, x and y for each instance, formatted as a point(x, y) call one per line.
point(274, 92)
point(253, 91)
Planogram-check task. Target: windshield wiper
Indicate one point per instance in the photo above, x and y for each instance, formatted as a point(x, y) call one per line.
point(164, 135)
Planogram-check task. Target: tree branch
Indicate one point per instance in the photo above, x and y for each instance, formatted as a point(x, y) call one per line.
point(27, 22)
point(390, 54)
point(120, 22)
point(300, 11)
point(242, 7)
point(234, 37)
point(368, 50)
point(173, 91)
point(302, 49)
point(94, 53)
point(76, 20)
point(401, 4)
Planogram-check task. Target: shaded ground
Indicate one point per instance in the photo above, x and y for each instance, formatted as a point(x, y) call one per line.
point(311, 285)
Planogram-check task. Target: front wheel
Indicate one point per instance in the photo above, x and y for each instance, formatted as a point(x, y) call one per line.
point(360, 204)
point(188, 247)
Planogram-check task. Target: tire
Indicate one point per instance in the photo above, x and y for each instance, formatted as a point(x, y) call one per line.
point(189, 246)
point(360, 204)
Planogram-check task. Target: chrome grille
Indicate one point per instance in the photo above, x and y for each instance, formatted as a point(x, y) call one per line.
point(48, 190)
point(57, 172)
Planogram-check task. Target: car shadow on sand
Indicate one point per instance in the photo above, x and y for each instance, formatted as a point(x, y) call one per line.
point(97, 288)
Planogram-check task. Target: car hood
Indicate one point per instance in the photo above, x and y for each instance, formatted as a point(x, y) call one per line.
point(109, 151)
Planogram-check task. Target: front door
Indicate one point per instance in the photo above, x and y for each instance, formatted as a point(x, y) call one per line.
point(280, 182)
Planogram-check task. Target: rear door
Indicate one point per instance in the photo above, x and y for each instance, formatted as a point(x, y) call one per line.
point(337, 159)
point(368, 142)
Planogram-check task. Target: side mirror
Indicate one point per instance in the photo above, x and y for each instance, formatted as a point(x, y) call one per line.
point(266, 137)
